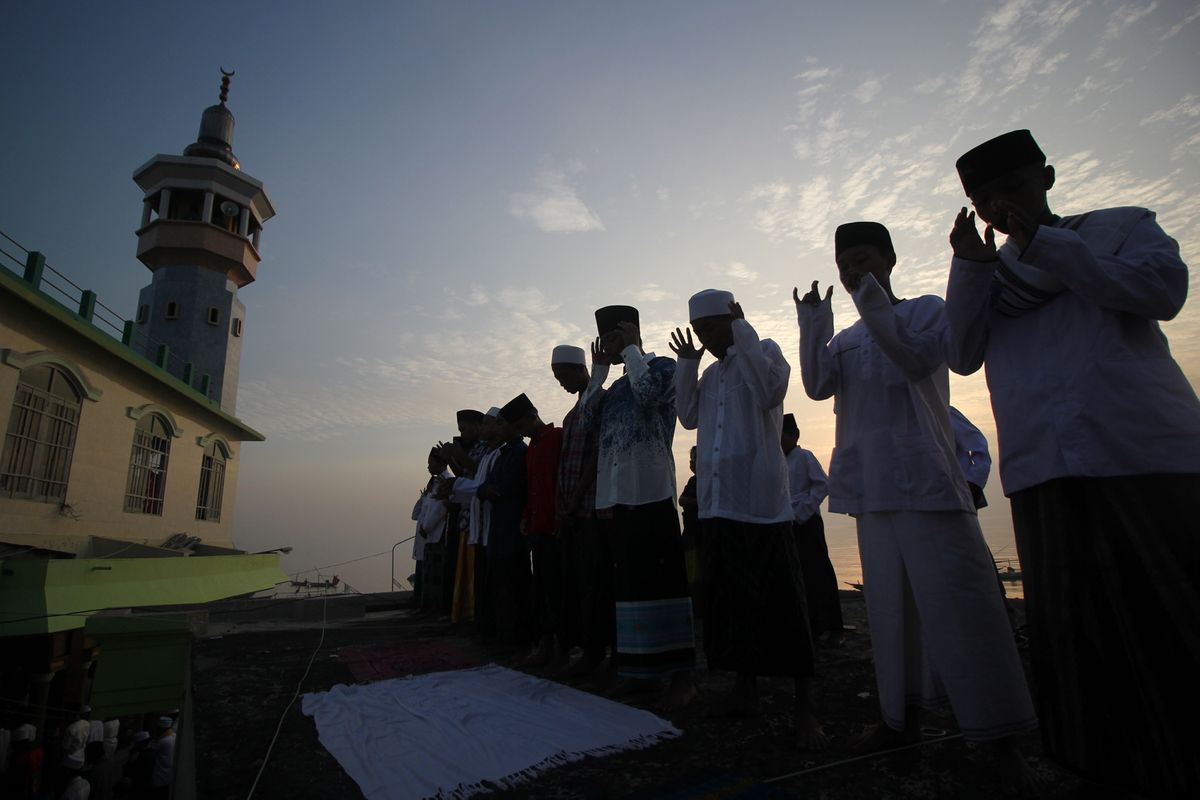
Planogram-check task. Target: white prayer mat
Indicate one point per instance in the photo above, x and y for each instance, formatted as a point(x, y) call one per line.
point(454, 734)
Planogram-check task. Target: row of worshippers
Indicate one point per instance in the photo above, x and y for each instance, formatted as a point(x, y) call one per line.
point(91, 759)
point(1099, 440)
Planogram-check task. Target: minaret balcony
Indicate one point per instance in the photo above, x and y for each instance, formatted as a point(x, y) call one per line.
point(173, 242)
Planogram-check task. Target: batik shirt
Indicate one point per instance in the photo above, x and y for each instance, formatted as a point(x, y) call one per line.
point(635, 422)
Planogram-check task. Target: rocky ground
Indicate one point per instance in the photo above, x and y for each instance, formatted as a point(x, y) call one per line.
point(244, 678)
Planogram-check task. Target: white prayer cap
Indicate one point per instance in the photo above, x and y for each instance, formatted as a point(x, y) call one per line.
point(709, 303)
point(165, 722)
point(493, 412)
point(25, 733)
point(140, 736)
point(568, 354)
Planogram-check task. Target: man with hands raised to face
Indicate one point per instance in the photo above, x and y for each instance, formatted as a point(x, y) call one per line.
point(1099, 441)
point(754, 610)
point(938, 626)
point(635, 488)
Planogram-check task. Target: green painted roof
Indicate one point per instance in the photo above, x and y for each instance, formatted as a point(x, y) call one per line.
point(47, 595)
point(16, 286)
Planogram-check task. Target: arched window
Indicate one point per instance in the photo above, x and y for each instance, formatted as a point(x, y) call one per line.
point(212, 482)
point(148, 466)
point(40, 441)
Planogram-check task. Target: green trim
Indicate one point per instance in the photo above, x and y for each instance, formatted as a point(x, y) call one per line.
point(55, 310)
point(153, 408)
point(39, 357)
point(48, 595)
point(221, 441)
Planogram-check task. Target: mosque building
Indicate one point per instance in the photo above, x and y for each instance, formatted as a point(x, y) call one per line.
point(118, 466)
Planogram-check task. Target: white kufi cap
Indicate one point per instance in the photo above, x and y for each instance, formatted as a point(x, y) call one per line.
point(568, 354)
point(709, 303)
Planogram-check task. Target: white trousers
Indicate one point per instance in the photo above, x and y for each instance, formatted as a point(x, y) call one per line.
point(938, 626)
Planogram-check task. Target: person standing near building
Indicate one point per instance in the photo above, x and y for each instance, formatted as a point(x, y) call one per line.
point(635, 483)
point(1099, 441)
point(755, 618)
point(164, 759)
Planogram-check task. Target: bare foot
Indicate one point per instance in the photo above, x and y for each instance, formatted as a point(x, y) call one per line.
point(877, 738)
point(680, 692)
point(1016, 776)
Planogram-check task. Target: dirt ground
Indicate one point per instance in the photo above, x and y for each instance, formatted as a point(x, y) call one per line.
point(245, 677)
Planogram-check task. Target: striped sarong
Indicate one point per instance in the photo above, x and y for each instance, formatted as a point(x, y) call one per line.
point(650, 587)
point(1112, 597)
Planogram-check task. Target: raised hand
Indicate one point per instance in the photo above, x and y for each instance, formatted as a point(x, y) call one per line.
point(684, 347)
point(1022, 226)
point(964, 238)
point(735, 309)
point(812, 297)
point(598, 353)
point(630, 333)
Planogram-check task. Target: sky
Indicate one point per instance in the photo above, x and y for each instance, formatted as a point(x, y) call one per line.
point(459, 185)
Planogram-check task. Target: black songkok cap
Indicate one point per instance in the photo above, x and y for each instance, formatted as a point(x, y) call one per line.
point(469, 415)
point(517, 408)
point(855, 233)
point(996, 157)
point(608, 317)
point(789, 424)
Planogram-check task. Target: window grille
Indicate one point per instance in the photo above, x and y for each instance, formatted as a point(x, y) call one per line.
point(40, 442)
point(148, 466)
point(212, 483)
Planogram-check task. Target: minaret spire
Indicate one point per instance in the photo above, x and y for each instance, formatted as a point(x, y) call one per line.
point(225, 76)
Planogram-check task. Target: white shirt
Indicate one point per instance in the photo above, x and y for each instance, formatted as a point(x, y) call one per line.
point(808, 483)
point(971, 448)
point(1084, 385)
point(164, 760)
point(887, 374)
point(479, 510)
point(635, 421)
point(737, 409)
point(77, 789)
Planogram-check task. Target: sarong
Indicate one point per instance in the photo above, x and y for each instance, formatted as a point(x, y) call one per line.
point(588, 589)
point(654, 611)
point(820, 581)
point(546, 552)
point(755, 617)
point(1112, 599)
point(463, 606)
point(938, 625)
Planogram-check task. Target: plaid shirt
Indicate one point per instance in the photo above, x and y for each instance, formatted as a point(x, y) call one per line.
point(576, 495)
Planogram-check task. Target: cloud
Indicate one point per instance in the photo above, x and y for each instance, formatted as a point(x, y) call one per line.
point(736, 270)
point(651, 293)
point(868, 90)
point(1186, 109)
point(1179, 26)
point(554, 206)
